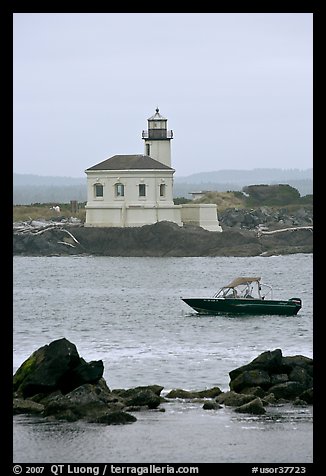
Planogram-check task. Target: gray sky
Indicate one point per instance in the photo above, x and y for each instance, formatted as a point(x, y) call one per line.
point(236, 89)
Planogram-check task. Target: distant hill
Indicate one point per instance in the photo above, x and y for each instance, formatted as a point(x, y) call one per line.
point(253, 175)
point(234, 180)
point(29, 188)
point(20, 180)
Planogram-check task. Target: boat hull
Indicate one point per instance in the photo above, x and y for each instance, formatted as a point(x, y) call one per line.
point(244, 306)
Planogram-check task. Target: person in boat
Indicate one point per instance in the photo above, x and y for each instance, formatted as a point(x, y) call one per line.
point(248, 294)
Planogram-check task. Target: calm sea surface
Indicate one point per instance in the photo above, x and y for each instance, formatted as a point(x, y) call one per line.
point(128, 312)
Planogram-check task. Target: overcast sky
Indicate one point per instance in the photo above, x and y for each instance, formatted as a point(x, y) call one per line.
point(236, 89)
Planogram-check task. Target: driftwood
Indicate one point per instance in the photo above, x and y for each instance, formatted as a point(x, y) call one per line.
point(72, 236)
point(262, 232)
point(29, 228)
point(65, 243)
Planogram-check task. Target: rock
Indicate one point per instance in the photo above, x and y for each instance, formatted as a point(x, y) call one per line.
point(45, 370)
point(145, 397)
point(287, 390)
point(301, 375)
point(308, 395)
point(156, 389)
point(254, 406)
point(251, 378)
point(269, 361)
point(21, 405)
point(279, 378)
point(82, 373)
point(56, 366)
point(285, 377)
point(114, 418)
point(209, 393)
point(86, 401)
point(257, 391)
point(269, 217)
point(294, 361)
point(234, 399)
point(179, 393)
point(211, 406)
point(299, 402)
point(269, 399)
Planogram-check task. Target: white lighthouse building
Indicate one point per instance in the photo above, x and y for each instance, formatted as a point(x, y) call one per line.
point(137, 190)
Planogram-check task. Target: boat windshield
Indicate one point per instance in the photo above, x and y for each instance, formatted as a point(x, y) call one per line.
point(245, 289)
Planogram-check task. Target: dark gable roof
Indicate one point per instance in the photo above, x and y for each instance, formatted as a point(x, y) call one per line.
point(126, 162)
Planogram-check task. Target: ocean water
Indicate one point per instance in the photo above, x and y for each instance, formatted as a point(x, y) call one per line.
point(128, 312)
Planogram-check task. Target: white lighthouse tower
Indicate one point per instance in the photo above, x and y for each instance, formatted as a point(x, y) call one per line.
point(158, 139)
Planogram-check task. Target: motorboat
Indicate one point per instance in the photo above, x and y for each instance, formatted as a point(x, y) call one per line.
point(246, 296)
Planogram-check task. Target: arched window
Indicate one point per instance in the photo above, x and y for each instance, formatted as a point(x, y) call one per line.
point(119, 190)
point(98, 190)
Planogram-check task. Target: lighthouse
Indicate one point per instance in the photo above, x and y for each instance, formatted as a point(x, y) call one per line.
point(158, 139)
point(137, 189)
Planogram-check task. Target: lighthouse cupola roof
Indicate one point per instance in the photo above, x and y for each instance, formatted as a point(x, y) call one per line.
point(157, 116)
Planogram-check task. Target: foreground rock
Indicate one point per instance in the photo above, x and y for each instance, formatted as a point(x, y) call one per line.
point(56, 366)
point(270, 378)
point(56, 383)
point(160, 239)
point(286, 378)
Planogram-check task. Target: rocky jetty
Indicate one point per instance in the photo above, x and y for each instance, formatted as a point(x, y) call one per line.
point(56, 383)
point(248, 237)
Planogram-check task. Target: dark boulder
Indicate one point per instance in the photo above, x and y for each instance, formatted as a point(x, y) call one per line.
point(208, 393)
point(114, 418)
point(20, 405)
point(86, 401)
point(254, 407)
point(285, 378)
point(211, 406)
point(251, 378)
point(270, 361)
point(56, 366)
point(287, 390)
point(142, 397)
point(157, 389)
point(308, 396)
point(302, 375)
point(45, 370)
point(279, 378)
point(295, 361)
point(234, 399)
point(84, 372)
